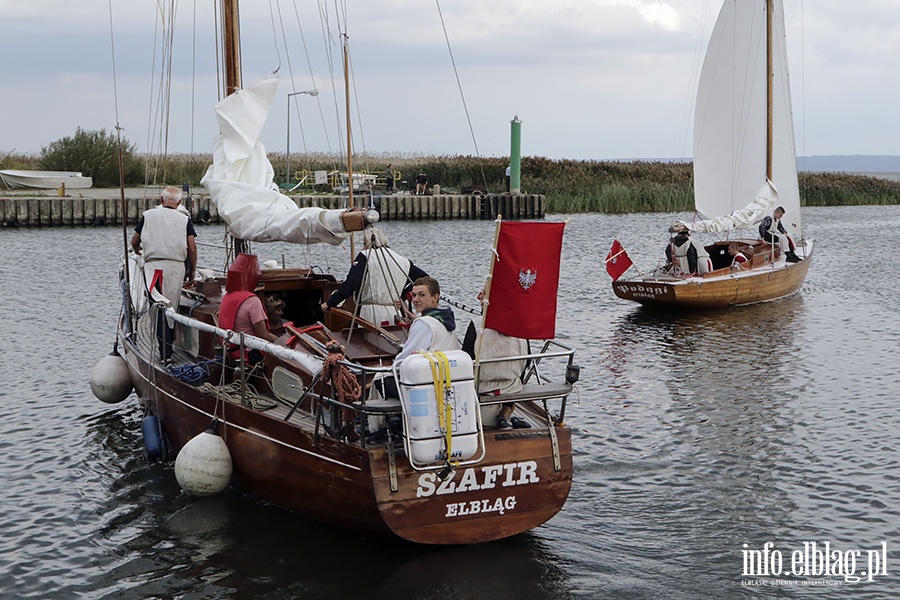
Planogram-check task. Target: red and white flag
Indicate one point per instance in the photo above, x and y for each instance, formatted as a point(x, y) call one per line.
point(525, 280)
point(617, 261)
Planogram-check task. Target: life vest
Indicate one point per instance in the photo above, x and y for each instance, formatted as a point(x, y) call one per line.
point(680, 256)
point(773, 228)
point(441, 339)
point(164, 235)
point(231, 302)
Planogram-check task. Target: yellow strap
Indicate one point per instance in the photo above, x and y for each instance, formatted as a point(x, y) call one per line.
point(448, 413)
point(440, 375)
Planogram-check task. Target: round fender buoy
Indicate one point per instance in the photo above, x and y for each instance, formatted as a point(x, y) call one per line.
point(203, 467)
point(110, 380)
point(204, 216)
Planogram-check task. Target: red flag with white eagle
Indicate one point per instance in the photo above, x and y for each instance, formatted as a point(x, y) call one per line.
point(524, 280)
point(617, 261)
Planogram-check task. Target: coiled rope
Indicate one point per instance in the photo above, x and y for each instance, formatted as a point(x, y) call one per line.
point(346, 387)
point(232, 393)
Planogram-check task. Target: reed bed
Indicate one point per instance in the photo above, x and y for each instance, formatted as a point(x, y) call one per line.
point(570, 186)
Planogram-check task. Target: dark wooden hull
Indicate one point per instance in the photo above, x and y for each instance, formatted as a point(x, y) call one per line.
point(719, 289)
point(348, 485)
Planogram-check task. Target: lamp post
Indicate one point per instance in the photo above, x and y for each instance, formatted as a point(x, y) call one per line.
point(287, 167)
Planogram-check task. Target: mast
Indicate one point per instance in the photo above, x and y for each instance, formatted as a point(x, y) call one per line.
point(770, 81)
point(349, 136)
point(231, 47)
point(231, 51)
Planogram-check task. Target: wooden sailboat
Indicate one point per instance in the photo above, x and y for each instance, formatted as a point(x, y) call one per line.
point(744, 167)
point(293, 439)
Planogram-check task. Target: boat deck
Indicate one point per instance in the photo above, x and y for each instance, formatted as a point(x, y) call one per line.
point(321, 415)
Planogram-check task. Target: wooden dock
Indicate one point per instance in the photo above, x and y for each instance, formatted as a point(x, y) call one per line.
point(102, 207)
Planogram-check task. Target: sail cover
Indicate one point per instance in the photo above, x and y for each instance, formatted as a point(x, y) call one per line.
point(730, 118)
point(241, 179)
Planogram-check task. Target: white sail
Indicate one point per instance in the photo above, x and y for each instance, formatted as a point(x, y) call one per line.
point(241, 179)
point(730, 116)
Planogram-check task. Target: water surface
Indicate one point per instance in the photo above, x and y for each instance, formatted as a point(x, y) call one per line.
point(694, 434)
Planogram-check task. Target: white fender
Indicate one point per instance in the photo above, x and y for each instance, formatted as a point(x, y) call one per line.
point(110, 380)
point(203, 466)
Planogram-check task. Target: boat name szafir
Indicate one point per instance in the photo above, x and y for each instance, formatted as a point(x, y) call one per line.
point(527, 473)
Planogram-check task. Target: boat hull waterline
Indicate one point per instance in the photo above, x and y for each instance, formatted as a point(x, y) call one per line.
point(731, 289)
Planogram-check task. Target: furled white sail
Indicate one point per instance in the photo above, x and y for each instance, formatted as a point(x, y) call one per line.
point(241, 179)
point(730, 117)
point(743, 218)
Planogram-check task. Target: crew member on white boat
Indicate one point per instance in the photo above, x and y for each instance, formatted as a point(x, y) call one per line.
point(378, 277)
point(165, 238)
point(433, 330)
point(739, 259)
point(771, 230)
point(688, 256)
point(495, 378)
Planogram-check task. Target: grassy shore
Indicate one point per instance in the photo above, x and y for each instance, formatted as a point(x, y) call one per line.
point(570, 186)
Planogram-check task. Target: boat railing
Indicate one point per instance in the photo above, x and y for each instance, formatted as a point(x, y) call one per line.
point(537, 385)
point(311, 363)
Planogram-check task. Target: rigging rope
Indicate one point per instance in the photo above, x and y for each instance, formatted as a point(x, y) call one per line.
point(461, 94)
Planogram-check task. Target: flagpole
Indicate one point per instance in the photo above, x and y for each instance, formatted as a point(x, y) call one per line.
point(634, 266)
point(486, 302)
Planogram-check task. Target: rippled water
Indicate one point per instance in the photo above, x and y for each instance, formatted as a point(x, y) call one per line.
point(693, 435)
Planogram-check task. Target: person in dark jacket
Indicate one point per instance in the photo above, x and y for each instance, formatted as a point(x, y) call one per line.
point(772, 231)
point(378, 277)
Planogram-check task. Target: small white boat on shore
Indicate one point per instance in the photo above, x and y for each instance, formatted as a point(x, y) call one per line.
point(45, 179)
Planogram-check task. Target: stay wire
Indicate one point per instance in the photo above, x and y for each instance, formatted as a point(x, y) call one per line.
point(312, 78)
point(461, 94)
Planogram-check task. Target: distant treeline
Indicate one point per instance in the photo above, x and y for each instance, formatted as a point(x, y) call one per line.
point(570, 186)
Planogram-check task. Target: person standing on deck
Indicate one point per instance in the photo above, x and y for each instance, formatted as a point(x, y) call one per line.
point(164, 237)
point(378, 277)
point(772, 231)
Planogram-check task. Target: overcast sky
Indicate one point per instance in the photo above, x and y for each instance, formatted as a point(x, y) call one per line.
point(590, 79)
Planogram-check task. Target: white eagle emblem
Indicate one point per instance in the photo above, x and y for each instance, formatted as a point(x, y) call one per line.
point(527, 278)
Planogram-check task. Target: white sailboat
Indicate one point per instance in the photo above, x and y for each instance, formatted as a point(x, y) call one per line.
point(744, 167)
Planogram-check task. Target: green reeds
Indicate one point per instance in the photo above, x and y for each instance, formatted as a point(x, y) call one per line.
point(569, 186)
